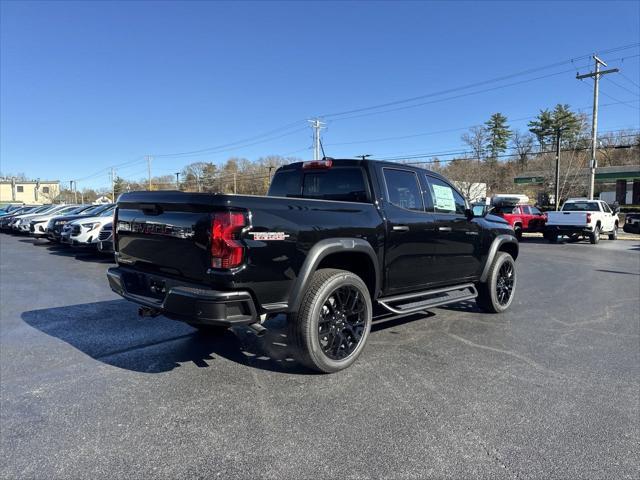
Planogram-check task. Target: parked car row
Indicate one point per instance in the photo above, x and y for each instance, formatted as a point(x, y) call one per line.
point(83, 226)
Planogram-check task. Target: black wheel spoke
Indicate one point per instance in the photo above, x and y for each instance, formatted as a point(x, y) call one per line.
point(342, 322)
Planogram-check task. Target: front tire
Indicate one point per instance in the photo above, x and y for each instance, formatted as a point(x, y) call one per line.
point(518, 232)
point(496, 294)
point(614, 234)
point(331, 327)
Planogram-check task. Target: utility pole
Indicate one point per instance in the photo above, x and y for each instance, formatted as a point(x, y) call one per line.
point(317, 125)
point(594, 118)
point(557, 198)
point(113, 185)
point(75, 192)
point(178, 180)
point(235, 183)
point(149, 157)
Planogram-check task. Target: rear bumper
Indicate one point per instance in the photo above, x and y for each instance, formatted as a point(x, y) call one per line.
point(183, 301)
point(568, 229)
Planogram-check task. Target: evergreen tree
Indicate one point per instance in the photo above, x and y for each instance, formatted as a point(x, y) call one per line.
point(498, 134)
point(542, 127)
point(548, 123)
point(119, 186)
point(569, 123)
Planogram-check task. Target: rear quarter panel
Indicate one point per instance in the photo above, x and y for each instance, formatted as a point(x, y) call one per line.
point(272, 266)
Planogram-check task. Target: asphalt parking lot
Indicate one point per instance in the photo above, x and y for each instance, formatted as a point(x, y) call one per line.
point(549, 389)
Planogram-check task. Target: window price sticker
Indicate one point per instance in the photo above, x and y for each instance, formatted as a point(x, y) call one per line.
point(444, 198)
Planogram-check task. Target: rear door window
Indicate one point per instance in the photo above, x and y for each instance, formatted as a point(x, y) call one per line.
point(446, 199)
point(403, 189)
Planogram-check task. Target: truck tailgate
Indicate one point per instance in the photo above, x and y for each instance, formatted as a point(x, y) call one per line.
point(567, 218)
point(166, 232)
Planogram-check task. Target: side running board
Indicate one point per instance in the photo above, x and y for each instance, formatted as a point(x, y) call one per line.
point(418, 301)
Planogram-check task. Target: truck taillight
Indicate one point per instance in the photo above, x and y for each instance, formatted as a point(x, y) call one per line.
point(588, 218)
point(226, 250)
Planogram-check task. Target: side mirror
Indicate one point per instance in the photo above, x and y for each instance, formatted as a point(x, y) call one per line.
point(476, 212)
point(469, 213)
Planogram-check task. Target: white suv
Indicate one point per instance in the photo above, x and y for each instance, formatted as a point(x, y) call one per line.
point(85, 231)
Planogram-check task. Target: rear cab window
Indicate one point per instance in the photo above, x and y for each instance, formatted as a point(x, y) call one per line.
point(346, 184)
point(581, 207)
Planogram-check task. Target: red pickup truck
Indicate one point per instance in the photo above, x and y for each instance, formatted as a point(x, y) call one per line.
point(523, 218)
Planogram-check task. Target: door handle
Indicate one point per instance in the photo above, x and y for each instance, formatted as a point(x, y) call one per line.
point(444, 229)
point(400, 228)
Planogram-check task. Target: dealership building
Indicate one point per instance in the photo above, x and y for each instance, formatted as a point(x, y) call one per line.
point(612, 184)
point(28, 191)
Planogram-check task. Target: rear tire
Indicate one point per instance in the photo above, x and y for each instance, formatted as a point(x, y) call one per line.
point(331, 327)
point(496, 294)
point(594, 237)
point(614, 234)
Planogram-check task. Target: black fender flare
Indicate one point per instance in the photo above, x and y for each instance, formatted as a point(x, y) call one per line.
point(319, 251)
point(495, 246)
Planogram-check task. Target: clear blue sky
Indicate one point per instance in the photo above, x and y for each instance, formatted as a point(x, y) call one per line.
point(86, 85)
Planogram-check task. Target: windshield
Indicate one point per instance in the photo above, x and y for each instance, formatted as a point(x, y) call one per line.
point(581, 207)
point(69, 209)
point(77, 210)
point(93, 210)
point(108, 212)
point(43, 209)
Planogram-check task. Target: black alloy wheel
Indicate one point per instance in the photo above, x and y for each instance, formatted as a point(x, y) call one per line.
point(504, 283)
point(342, 322)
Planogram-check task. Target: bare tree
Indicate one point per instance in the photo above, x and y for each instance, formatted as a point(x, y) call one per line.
point(523, 145)
point(476, 138)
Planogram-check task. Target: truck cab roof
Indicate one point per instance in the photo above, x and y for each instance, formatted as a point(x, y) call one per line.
point(339, 162)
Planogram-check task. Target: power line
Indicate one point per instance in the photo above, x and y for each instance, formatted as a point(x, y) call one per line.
point(450, 130)
point(466, 152)
point(268, 136)
point(629, 80)
point(238, 143)
point(636, 93)
point(475, 84)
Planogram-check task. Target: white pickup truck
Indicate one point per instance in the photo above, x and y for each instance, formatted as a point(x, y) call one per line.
point(581, 217)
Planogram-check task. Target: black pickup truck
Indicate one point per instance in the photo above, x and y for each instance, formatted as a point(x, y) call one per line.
point(333, 244)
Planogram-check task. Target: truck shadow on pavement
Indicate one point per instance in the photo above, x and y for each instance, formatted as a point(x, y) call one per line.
point(112, 333)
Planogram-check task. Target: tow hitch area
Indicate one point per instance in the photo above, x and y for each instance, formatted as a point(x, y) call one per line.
point(148, 312)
